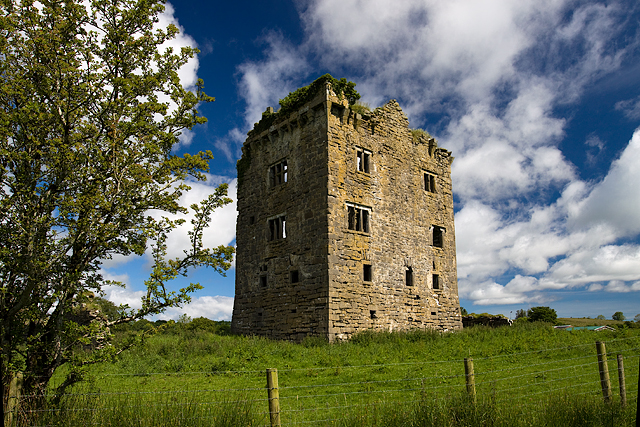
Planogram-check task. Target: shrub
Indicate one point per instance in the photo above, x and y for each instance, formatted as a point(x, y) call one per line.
point(542, 314)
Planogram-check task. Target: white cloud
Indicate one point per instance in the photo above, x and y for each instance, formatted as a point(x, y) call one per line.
point(595, 287)
point(188, 72)
point(231, 144)
point(264, 83)
point(615, 202)
point(222, 228)
point(212, 307)
point(630, 108)
point(118, 296)
point(221, 231)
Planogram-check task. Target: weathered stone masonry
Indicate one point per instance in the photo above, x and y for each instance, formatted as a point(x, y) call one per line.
point(345, 223)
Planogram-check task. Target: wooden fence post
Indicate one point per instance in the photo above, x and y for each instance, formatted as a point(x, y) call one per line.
point(605, 382)
point(621, 382)
point(13, 400)
point(470, 378)
point(274, 397)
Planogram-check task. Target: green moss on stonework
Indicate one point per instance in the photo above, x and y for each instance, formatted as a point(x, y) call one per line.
point(296, 99)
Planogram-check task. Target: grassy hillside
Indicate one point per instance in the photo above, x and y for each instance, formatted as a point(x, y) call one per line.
point(529, 374)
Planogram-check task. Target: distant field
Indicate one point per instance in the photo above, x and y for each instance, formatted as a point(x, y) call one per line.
point(525, 375)
point(582, 321)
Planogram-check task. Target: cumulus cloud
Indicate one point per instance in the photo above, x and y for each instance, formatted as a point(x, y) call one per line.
point(212, 307)
point(615, 202)
point(494, 71)
point(263, 83)
point(188, 73)
point(222, 226)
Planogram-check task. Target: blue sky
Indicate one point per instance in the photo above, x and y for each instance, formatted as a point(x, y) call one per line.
point(539, 101)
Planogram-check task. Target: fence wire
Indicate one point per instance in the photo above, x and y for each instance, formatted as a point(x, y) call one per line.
point(307, 397)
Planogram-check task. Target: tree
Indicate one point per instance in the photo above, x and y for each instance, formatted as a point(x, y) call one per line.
point(618, 316)
point(463, 311)
point(542, 314)
point(521, 313)
point(600, 317)
point(637, 318)
point(91, 107)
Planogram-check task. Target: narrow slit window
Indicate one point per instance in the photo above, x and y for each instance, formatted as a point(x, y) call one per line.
point(366, 273)
point(429, 182)
point(438, 237)
point(436, 282)
point(409, 276)
point(363, 160)
point(358, 219)
point(263, 281)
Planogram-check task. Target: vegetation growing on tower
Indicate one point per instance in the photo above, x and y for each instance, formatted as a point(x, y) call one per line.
point(296, 99)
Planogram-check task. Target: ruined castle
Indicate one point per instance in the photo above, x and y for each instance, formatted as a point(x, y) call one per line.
point(345, 223)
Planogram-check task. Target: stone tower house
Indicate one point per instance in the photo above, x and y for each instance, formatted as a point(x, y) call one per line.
point(345, 223)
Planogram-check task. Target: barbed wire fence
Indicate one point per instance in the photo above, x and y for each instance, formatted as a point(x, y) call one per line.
point(324, 395)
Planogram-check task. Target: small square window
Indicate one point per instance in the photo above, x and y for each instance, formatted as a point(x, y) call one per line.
point(366, 272)
point(372, 314)
point(294, 276)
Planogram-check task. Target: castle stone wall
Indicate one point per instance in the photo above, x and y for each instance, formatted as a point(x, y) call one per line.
point(351, 235)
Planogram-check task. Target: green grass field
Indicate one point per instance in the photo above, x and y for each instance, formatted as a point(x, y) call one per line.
point(528, 374)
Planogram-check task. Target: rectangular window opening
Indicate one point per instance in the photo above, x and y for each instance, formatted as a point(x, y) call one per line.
point(358, 219)
point(429, 182)
point(409, 276)
point(295, 278)
point(278, 228)
point(372, 314)
point(366, 272)
point(278, 174)
point(436, 282)
point(363, 160)
point(263, 281)
point(252, 219)
point(438, 237)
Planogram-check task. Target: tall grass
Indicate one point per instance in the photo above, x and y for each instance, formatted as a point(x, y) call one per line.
point(526, 375)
